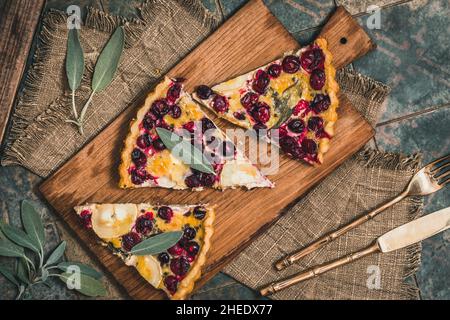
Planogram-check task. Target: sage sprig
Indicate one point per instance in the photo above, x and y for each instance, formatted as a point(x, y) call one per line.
point(32, 266)
point(185, 151)
point(104, 71)
point(74, 65)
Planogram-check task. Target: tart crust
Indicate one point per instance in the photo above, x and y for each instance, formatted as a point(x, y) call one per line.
point(125, 178)
point(187, 284)
point(331, 87)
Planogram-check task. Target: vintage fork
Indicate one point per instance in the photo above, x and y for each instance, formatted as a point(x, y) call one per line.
point(427, 180)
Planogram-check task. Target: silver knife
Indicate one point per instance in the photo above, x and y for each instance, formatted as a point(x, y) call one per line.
point(398, 238)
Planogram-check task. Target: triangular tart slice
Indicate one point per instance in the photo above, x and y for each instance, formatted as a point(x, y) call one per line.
point(123, 226)
point(146, 162)
point(296, 94)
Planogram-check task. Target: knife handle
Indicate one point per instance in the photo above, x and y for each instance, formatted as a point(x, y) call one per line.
point(287, 261)
point(314, 272)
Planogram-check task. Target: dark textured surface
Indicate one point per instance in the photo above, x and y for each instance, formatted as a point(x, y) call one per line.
point(412, 56)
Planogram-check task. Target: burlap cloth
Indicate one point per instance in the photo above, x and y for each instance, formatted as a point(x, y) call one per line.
point(166, 31)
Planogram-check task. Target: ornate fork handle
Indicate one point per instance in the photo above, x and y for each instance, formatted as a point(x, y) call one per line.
point(287, 261)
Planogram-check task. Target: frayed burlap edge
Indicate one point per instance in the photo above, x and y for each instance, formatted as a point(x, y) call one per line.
point(357, 83)
point(17, 145)
point(393, 161)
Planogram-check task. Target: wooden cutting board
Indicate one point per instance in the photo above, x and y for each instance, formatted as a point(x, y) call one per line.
point(236, 47)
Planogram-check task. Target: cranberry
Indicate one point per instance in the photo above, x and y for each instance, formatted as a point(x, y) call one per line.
point(320, 103)
point(207, 124)
point(315, 123)
point(220, 103)
point(296, 125)
point(192, 248)
point(138, 176)
point(282, 132)
point(130, 240)
point(309, 146)
point(86, 218)
point(165, 213)
point(163, 258)
point(161, 123)
point(261, 112)
point(203, 92)
point(291, 64)
point(312, 59)
point(199, 212)
point(274, 70)
point(207, 179)
point(189, 233)
point(249, 99)
point(160, 108)
point(174, 92)
point(239, 115)
point(301, 105)
point(179, 266)
point(138, 157)
point(144, 224)
point(158, 145)
point(175, 112)
point(317, 79)
point(192, 181)
point(260, 82)
point(175, 250)
point(144, 141)
point(171, 284)
point(290, 145)
point(148, 123)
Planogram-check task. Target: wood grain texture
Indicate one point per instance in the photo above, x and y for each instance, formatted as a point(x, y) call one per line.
point(236, 47)
point(18, 21)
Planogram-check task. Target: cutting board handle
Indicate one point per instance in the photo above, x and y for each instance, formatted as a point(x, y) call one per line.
point(346, 39)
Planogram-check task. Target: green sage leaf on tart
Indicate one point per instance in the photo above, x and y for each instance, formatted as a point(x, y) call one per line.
point(84, 284)
point(157, 244)
point(282, 104)
point(57, 254)
point(84, 269)
point(33, 224)
point(108, 61)
point(74, 60)
point(18, 236)
point(185, 151)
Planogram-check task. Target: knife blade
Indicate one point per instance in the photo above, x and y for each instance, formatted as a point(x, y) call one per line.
point(415, 231)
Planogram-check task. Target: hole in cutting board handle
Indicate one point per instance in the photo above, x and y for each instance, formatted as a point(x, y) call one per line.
point(343, 40)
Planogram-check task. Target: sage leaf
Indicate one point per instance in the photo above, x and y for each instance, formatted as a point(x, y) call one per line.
point(185, 151)
point(88, 286)
point(9, 275)
point(22, 271)
point(57, 254)
point(33, 224)
point(9, 249)
point(18, 236)
point(157, 244)
point(84, 269)
point(74, 60)
point(108, 61)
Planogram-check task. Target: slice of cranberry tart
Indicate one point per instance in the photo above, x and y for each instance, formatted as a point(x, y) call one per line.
point(146, 162)
point(123, 226)
point(296, 94)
